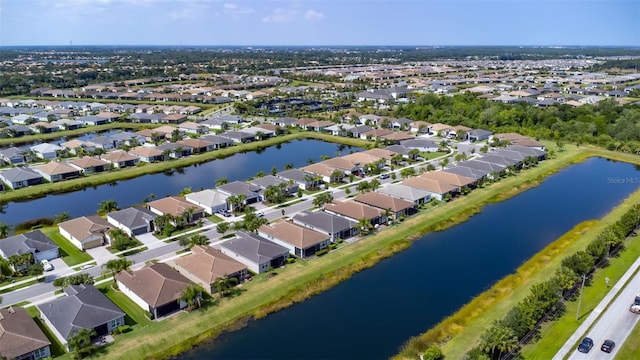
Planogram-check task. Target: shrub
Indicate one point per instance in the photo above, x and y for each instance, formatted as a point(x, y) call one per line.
point(322, 252)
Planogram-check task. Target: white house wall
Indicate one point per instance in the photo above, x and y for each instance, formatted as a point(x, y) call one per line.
point(133, 296)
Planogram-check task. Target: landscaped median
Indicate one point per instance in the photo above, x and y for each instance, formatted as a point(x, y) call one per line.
point(461, 331)
point(303, 279)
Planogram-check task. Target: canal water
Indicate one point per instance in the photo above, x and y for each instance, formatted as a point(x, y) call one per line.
point(373, 313)
point(240, 166)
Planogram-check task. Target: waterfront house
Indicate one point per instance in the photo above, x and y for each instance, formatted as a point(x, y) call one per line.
point(258, 254)
point(83, 307)
point(174, 150)
point(454, 179)
point(335, 226)
point(13, 156)
point(425, 145)
point(85, 232)
point(46, 150)
point(197, 146)
point(239, 136)
point(305, 180)
point(132, 220)
point(20, 337)
point(289, 187)
point(356, 211)
point(252, 193)
point(300, 240)
point(156, 288)
point(211, 200)
point(89, 164)
point(396, 207)
point(437, 189)
point(102, 142)
point(205, 265)
point(17, 178)
point(74, 146)
point(57, 171)
point(148, 154)
point(469, 172)
point(408, 193)
point(120, 159)
point(191, 127)
point(93, 120)
point(177, 207)
point(218, 142)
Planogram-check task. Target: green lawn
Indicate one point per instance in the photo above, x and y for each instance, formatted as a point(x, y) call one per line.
point(135, 314)
point(631, 347)
point(71, 255)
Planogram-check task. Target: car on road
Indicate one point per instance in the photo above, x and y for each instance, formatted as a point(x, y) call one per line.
point(384, 176)
point(46, 265)
point(259, 214)
point(586, 345)
point(607, 346)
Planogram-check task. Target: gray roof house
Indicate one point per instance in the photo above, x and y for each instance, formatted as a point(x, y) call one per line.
point(478, 135)
point(496, 158)
point(408, 193)
point(483, 165)
point(133, 220)
point(300, 177)
point(473, 173)
point(84, 307)
point(239, 136)
point(46, 151)
point(334, 226)
point(217, 141)
point(34, 242)
point(12, 155)
point(252, 193)
point(290, 187)
point(102, 142)
point(210, 199)
point(17, 178)
point(420, 144)
point(528, 151)
point(257, 253)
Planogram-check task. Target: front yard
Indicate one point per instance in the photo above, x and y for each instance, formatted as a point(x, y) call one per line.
point(70, 254)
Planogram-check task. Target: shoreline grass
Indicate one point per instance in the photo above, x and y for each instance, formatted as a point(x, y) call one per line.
point(37, 191)
point(301, 280)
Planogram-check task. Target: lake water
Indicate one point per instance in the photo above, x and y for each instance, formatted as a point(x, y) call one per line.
point(373, 313)
point(240, 166)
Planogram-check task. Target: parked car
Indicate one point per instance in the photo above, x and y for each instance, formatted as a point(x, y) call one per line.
point(46, 265)
point(607, 346)
point(586, 345)
point(384, 176)
point(259, 214)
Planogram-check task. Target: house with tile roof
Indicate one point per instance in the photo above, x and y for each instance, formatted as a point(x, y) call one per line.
point(57, 171)
point(120, 159)
point(85, 232)
point(20, 337)
point(205, 265)
point(395, 206)
point(355, 211)
point(177, 207)
point(300, 240)
point(89, 164)
point(335, 226)
point(156, 288)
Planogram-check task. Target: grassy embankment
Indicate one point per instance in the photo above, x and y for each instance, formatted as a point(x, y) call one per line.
point(461, 331)
point(303, 279)
point(631, 348)
point(122, 174)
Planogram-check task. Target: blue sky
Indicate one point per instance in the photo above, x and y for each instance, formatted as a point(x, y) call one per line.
point(320, 22)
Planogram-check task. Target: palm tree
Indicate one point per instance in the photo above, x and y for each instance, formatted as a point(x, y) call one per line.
point(222, 227)
point(498, 337)
point(80, 343)
point(364, 225)
point(288, 166)
point(192, 295)
point(5, 230)
point(194, 240)
point(413, 154)
point(362, 187)
point(224, 284)
point(444, 162)
point(221, 181)
point(374, 184)
point(107, 206)
point(115, 266)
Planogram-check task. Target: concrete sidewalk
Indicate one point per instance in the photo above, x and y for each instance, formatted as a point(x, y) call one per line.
point(595, 314)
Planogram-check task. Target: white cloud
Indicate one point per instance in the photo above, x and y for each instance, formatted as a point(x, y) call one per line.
point(281, 15)
point(313, 15)
point(236, 11)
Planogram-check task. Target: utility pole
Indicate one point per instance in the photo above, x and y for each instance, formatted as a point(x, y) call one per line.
point(584, 277)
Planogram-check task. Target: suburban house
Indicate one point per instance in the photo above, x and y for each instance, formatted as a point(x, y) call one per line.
point(193, 128)
point(211, 200)
point(425, 145)
point(46, 150)
point(197, 146)
point(395, 206)
point(437, 189)
point(148, 154)
point(512, 155)
point(239, 136)
point(375, 134)
point(205, 265)
point(57, 171)
point(20, 337)
point(102, 142)
point(174, 150)
point(127, 138)
point(84, 307)
point(301, 241)
point(93, 120)
point(358, 131)
point(356, 211)
point(397, 137)
point(284, 121)
point(419, 127)
point(335, 226)
point(258, 254)
point(529, 151)
point(34, 242)
point(498, 159)
point(133, 220)
point(468, 172)
point(17, 178)
point(454, 179)
point(12, 156)
point(259, 132)
point(408, 193)
point(76, 146)
point(85, 232)
point(305, 180)
point(381, 153)
point(478, 135)
point(120, 159)
point(177, 207)
point(89, 164)
point(439, 129)
point(289, 187)
point(252, 193)
point(491, 169)
point(218, 142)
point(156, 288)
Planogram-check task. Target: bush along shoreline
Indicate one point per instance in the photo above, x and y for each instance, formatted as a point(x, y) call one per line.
point(546, 301)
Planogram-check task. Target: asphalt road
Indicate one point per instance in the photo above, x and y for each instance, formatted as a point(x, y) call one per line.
point(616, 323)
